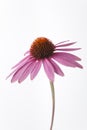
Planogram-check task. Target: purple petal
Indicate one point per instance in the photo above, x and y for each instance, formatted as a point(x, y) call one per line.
point(48, 69)
point(20, 66)
point(11, 74)
point(35, 70)
point(19, 72)
point(62, 42)
point(67, 61)
point(68, 44)
point(23, 61)
point(27, 72)
point(68, 49)
point(67, 56)
point(27, 52)
point(57, 69)
point(64, 62)
point(78, 65)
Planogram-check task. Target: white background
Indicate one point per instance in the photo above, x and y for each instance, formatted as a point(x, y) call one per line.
point(27, 106)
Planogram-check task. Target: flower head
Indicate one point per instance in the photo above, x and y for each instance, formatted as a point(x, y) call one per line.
point(43, 51)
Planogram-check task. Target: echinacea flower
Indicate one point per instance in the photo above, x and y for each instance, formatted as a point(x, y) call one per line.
point(43, 51)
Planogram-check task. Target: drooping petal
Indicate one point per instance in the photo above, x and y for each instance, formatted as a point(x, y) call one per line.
point(11, 74)
point(27, 52)
point(19, 72)
point(48, 69)
point(36, 69)
point(67, 49)
point(62, 42)
point(23, 61)
point(67, 56)
point(57, 69)
point(67, 61)
point(20, 66)
point(67, 44)
point(64, 62)
point(78, 65)
point(27, 72)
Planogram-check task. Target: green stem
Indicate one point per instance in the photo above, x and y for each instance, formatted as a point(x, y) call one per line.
point(53, 103)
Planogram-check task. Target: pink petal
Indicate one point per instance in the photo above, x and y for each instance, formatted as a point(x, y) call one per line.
point(48, 69)
point(68, 49)
point(35, 70)
point(11, 74)
point(67, 56)
point(27, 52)
point(23, 61)
point(78, 65)
point(21, 65)
point(27, 72)
point(62, 42)
point(66, 61)
point(57, 69)
point(67, 44)
point(19, 72)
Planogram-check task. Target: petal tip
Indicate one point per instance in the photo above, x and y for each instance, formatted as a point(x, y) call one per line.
point(81, 67)
point(19, 81)
point(12, 81)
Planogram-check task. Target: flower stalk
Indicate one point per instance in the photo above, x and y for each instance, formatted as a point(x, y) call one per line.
point(53, 103)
